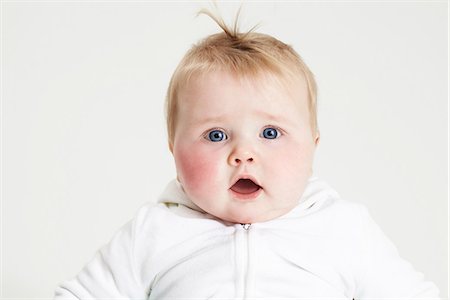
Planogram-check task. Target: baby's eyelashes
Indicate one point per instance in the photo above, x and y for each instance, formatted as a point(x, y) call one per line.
point(216, 135)
point(270, 133)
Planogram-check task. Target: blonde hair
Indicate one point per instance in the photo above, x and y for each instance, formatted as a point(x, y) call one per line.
point(244, 54)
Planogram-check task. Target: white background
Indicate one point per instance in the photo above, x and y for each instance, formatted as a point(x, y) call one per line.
point(84, 141)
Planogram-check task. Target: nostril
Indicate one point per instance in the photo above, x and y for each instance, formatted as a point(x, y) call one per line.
point(238, 161)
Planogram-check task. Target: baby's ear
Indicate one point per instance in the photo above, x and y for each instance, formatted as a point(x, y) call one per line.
point(171, 147)
point(317, 139)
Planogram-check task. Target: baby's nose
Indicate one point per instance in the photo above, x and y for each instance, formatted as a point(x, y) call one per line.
point(238, 157)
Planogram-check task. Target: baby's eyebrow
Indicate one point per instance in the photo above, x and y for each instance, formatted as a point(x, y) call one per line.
point(209, 119)
point(222, 118)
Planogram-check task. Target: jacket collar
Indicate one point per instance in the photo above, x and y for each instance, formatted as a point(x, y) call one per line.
point(317, 195)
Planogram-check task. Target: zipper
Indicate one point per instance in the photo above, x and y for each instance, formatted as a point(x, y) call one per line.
point(243, 261)
point(246, 226)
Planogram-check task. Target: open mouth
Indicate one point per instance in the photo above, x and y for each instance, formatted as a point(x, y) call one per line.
point(245, 186)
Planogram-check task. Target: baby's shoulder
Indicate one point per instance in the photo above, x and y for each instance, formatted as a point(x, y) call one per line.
point(347, 218)
point(153, 213)
point(345, 208)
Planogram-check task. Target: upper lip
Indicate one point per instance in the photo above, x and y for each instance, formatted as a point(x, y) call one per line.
point(245, 176)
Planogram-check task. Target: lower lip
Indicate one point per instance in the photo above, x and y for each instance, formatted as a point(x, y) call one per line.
point(249, 196)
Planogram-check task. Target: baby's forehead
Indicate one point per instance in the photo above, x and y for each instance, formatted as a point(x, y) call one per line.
point(211, 93)
point(263, 82)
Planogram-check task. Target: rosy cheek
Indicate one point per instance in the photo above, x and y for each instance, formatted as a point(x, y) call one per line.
point(196, 169)
point(295, 160)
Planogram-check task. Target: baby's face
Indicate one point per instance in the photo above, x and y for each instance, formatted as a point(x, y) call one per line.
point(243, 151)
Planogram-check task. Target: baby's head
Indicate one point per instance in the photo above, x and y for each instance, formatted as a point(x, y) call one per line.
point(242, 127)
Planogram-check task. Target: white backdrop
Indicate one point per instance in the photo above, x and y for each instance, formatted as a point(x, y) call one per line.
point(83, 133)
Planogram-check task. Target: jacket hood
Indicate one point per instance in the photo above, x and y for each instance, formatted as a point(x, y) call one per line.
point(317, 195)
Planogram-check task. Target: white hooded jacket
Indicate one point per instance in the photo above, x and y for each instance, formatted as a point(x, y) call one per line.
point(325, 248)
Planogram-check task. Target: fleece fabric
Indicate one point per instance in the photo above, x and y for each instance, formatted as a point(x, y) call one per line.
point(325, 248)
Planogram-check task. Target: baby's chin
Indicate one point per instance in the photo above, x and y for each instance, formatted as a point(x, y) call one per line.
point(254, 216)
point(260, 210)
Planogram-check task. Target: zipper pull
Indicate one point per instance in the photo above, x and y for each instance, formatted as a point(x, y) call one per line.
point(246, 226)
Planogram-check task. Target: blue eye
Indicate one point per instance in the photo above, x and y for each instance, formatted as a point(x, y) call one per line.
point(270, 133)
point(216, 135)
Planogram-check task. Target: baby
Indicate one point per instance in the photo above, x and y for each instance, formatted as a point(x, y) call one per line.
point(245, 218)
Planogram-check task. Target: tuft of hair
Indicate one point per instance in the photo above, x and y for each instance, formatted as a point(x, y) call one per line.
point(232, 33)
point(245, 54)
